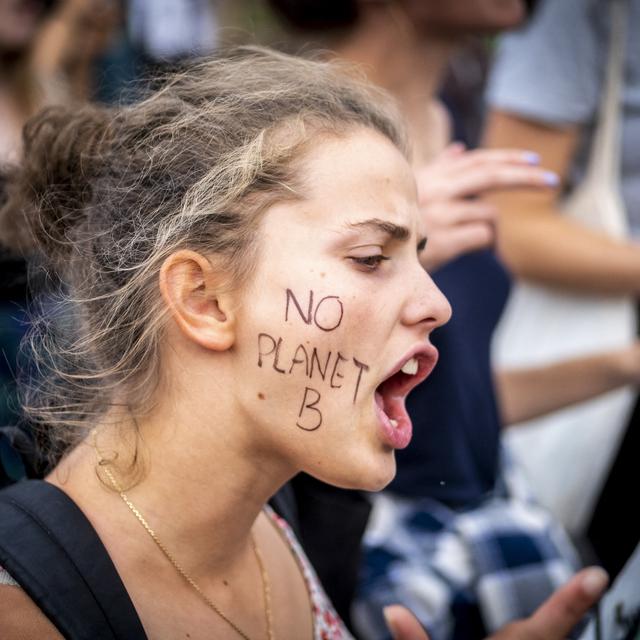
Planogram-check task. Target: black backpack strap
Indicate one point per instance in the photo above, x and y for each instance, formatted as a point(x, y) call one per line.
point(51, 550)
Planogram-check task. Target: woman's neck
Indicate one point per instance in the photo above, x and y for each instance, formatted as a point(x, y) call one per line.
point(201, 494)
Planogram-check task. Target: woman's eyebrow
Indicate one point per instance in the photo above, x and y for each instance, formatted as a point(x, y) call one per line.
point(394, 231)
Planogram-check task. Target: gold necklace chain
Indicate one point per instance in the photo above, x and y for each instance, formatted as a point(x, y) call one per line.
point(266, 586)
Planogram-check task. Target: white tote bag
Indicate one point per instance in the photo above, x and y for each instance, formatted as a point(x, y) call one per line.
point(567, 454)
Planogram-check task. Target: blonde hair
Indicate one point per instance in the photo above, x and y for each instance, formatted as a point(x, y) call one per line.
point(107, 194)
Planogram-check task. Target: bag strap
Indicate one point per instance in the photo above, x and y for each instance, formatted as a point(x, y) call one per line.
point(603, 165)
point(49, 547)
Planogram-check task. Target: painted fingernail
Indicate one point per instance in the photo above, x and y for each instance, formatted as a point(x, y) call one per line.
point(531, 157)
point(595, 581)
point(551, 179)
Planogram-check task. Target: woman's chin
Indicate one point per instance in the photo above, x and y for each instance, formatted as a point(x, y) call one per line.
point(371, 475)
point(380, 482)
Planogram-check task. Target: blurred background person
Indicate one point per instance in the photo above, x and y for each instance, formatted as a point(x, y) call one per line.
point(47, 51)
point(545, 94)
point(20, 86)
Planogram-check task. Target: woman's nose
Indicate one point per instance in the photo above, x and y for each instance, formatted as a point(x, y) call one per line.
point(427, 306)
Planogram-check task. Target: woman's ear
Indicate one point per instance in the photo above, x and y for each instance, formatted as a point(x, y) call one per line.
point(192, 290)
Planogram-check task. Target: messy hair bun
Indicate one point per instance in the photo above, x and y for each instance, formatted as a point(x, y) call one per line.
point(46, 196)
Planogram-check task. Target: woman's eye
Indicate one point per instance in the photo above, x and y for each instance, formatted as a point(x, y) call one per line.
point(370, 263)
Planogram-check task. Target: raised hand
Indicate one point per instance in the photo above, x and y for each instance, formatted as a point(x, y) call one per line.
point(450, 187)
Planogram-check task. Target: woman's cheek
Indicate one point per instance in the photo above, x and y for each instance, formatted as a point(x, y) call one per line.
point(312, 354)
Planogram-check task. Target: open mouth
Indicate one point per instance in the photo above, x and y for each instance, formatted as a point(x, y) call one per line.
point(391, 394)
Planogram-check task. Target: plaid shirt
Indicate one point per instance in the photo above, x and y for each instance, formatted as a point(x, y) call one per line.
point(463, 573)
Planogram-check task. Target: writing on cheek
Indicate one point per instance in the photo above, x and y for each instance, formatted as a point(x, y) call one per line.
point(327, 368)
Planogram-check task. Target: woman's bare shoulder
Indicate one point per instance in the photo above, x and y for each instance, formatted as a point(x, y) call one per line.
point(20, 618)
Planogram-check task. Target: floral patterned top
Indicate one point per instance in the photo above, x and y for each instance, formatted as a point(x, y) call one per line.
point(327, 625)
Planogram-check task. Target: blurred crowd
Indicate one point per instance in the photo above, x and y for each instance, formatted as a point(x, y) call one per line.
point(512, 108)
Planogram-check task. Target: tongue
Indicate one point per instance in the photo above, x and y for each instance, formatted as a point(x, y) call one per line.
point(396, 423)
point(389, 405)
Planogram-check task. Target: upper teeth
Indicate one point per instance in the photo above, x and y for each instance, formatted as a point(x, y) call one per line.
point(410, 367)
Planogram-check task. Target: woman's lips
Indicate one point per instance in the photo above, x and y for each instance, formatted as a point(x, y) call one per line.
point(390, 395)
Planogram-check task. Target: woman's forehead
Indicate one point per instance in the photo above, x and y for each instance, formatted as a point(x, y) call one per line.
point(345, 184)
point(361, 169)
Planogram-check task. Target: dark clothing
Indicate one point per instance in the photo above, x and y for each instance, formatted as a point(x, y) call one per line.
point(48, 545)
point(614, 530)
point(331, 525)
point(13, 278)
point(13, 325)
point(453, 457)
